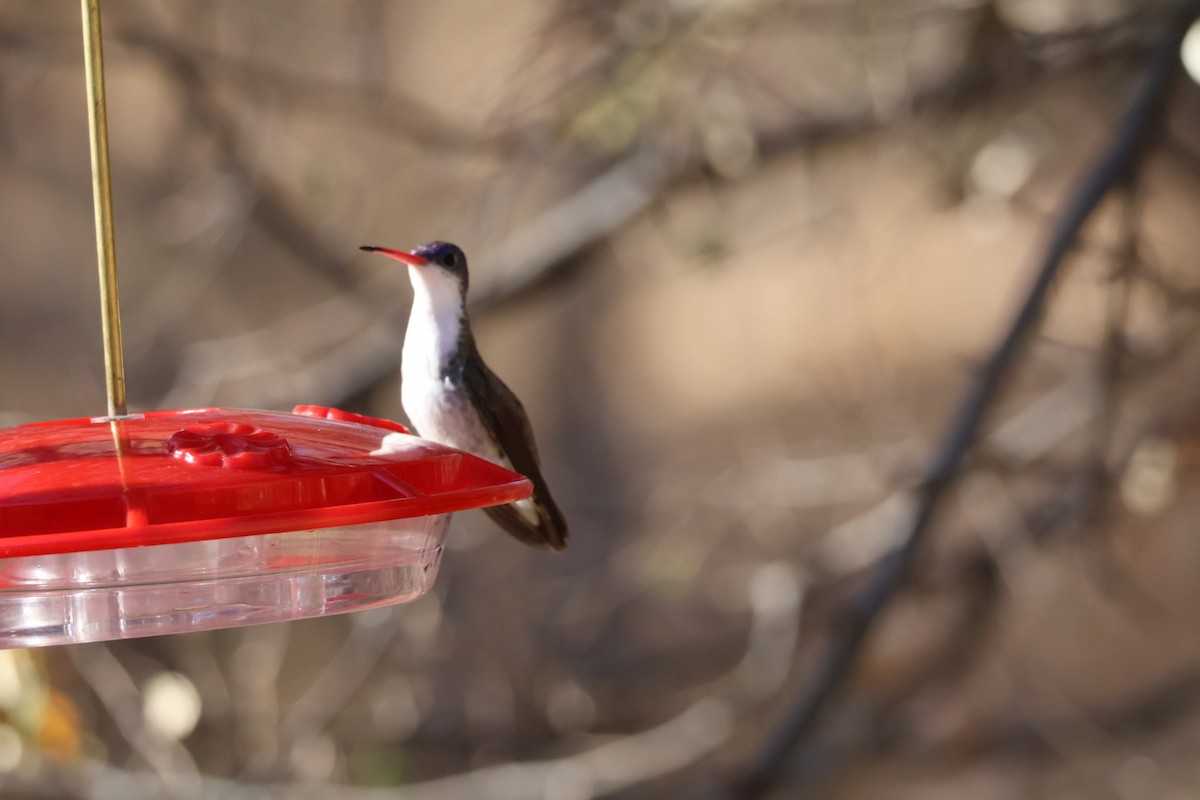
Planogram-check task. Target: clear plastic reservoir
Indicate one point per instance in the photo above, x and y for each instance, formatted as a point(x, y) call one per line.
point(174, 521)
point(92, 596)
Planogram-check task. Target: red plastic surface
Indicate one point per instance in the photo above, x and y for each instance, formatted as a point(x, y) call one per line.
point(325, 412)
point(179, 476)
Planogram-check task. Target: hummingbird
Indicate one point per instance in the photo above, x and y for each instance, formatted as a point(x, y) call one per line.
point(452, 397)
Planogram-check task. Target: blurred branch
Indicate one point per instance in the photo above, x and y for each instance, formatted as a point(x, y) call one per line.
point(1168, 703)
point(346, 671)
point(1114, 165)
point(396, 113)
point(1029, 434)
point(321, 353)
point(624, 761)
point(1113, 347)
point(534, 252)
point(255, 666)
point(999, 62)
point(113, 685)
point(269, 204)
point(776, 598)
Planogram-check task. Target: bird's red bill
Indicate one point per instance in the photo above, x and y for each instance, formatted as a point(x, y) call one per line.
point(411, 259)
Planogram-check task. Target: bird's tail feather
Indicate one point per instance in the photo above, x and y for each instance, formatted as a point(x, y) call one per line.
point(550, 530)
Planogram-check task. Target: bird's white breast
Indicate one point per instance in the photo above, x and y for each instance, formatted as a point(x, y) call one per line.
point(434, 324)
point(438, 408)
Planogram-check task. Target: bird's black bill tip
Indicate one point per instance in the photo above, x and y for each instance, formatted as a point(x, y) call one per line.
point(368, 248)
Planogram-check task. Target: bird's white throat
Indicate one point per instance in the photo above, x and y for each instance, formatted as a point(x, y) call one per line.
point(434, 324)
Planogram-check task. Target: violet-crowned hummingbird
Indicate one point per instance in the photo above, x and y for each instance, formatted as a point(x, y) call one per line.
point(452, 397)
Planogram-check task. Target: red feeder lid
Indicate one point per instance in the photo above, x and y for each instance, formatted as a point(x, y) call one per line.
point(166, 477)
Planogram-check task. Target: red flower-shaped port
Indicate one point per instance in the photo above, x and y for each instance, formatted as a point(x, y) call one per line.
point(233, 445)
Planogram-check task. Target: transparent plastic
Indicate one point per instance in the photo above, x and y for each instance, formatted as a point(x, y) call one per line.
point(173, 521)
point(97, 595)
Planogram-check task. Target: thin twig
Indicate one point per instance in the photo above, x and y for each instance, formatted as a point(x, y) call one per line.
point(1117, 161)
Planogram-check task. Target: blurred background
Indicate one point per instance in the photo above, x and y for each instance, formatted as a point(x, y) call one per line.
point(740, 259)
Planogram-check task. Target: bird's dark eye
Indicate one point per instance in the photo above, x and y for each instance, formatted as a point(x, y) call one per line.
point(450, 259)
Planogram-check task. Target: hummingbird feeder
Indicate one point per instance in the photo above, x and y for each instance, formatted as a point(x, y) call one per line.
point(170, 521)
